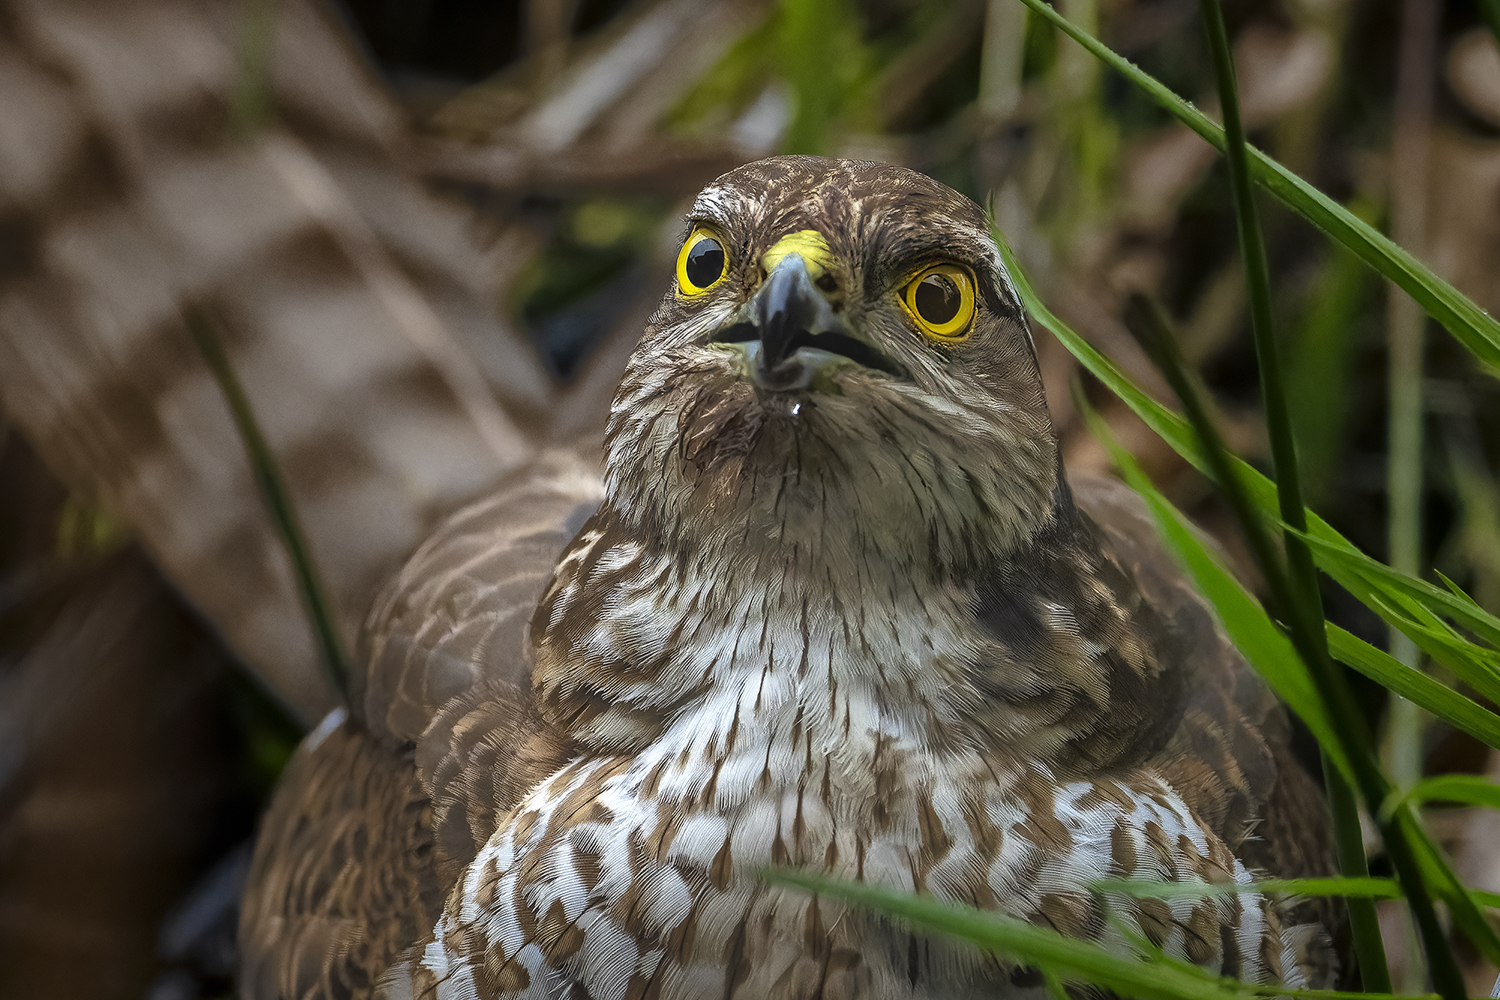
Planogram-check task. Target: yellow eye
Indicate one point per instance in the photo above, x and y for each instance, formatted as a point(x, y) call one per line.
point(941, 299)
point(701, 264)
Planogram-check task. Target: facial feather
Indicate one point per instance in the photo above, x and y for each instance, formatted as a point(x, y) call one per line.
point(945, 469)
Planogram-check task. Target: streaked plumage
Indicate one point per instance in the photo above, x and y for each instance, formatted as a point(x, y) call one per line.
point(353, 305)
point(830, 604)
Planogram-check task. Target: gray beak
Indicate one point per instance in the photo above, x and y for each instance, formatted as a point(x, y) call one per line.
point(791, 332)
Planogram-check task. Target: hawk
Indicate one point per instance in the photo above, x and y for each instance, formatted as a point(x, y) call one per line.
point(825, 599)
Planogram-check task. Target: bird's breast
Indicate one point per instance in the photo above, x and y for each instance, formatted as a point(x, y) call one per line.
point(714, 655)
point(620, 871)
point(640, 857)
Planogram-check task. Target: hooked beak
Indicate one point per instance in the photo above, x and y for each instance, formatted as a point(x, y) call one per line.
point(790, 332)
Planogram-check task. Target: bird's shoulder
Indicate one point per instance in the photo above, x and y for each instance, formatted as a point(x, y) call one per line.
point(341, 881)
point(1226, 744)
point(455, 618)
point(382, 807)
point(445, 664)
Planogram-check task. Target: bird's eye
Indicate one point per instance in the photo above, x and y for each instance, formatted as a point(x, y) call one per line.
point(941, 299)
point(701, 264)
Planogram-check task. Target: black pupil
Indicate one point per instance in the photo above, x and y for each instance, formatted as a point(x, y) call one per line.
point(938, 299)
point(705, 262)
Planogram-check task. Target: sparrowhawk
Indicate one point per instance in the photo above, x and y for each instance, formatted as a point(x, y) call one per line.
point(824, 600)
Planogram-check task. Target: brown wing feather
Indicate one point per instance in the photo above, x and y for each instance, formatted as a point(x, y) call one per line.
point(377, 813)
point(342, 879)
point(1228, 756)
point(458, 611)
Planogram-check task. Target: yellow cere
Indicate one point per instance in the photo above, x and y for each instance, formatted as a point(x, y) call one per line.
point(940, 299)
point(809, 243)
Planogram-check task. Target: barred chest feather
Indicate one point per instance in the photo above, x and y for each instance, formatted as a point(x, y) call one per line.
point(830, 735)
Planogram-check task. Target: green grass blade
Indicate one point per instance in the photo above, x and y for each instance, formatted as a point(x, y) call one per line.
point(1415, 686)
point(1474, 664)
point(1471, 325)
point(1334, 554)
point(1177, 433)
point(1454, 588)
point(1153, 976)
point(1438, 874)
point(1349, 847)
point(1341, 556)
point(1364, 888)
point(1278, 662)
point(1470, 789)
point(275, 495)
point(1416, 862)
point(1348, 888)
point(1027, 943)
point(1293, 586)
point(1278, 415)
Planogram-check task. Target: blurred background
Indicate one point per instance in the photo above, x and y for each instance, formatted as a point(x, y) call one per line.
point(427, 234)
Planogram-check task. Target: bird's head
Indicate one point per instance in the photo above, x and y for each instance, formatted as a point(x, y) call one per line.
point(840, 367)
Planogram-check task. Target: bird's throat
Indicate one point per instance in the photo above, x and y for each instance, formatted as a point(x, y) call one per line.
point(635, 643)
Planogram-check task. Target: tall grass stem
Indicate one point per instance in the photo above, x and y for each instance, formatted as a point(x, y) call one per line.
point(1364, 922)
point(1304, 576)
point(1402, 839)
point(274, 494)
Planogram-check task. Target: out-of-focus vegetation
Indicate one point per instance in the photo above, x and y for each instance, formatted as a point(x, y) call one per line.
point(573, 131)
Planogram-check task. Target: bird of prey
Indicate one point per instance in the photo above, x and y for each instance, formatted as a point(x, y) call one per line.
point(825, 600)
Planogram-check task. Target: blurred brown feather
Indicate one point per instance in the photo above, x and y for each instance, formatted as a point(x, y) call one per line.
point(109, 777)
point(358, 310)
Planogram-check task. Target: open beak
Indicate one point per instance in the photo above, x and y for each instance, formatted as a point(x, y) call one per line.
point(790, 332)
